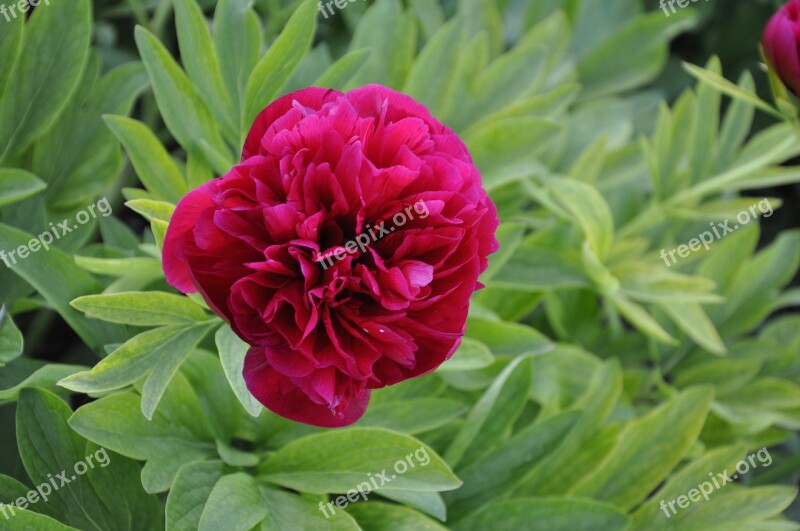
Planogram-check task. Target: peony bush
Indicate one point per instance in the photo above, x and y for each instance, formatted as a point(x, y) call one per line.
point(517, 354)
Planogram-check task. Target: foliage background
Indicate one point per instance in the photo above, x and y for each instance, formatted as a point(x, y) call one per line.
point(593, 382)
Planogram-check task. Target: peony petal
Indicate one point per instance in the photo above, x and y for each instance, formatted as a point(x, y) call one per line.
point(179, 234)
point(282, 396)
point(312, 97)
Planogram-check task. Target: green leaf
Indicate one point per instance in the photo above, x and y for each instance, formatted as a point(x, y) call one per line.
point(16, 185)
point(118, 267)
point(731, 89)
point(235, 457)
point(492, 417)
point(153, 165)
point(470, 355)
point(12, 489)
point(56, 277)
point(143, 308)
point(725, 374)
point(77, 157)
point(117, 235)
point(175, 436)
point(654, 283)
point(280, 61)
point(10, 45)
point(633, 55)
point(232, 351)
point(23, 373)
point(761, 403)
point(235, 503)
point(106, 494)
point(430, 15)
point(642, 320)
point(735, 126)
point(60, 35)
point(756, 284)
point(649, 448)
point(135, 358)
point(505, 81)
point(290, 511)
point(200, 60)
point(391, 33)
point(509, 236)
point(237, 39)
point(151, 209)
point(588, 210)
point(336, 461)
point(503, 468)
point(650, 516)
point(34, 521)
point(182, 109)
point(740, 508)
point(377, 516)
point(11, 342)
point(692, 319)
point(189, 494)
point(412, 416)
point(343, 70)
point(159, 229)
point(483, 16)
point(501, 143)
point(48, 446)
point(118, 487)
point(533, 268)
point(562, 375)
point(428, 502)
point(222, 411)
point(584, 447)
point(435, 73)
point(318, 60)
point(507, 339)
point(549, 514)
point(167, 359)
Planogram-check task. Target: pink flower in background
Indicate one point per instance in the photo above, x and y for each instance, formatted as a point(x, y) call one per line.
point(781, 43)
point(320, 168)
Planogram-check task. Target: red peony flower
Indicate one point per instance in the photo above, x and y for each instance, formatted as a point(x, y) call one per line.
point(343, 248)
point(781, 42)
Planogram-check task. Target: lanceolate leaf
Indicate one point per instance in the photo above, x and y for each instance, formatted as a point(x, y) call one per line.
point(232, 351)
point(237, 39)
point(199, 58)
point(152, 163)
point(147, 308)
point(281, 59)
point(649, 448)
point(184, 112)
point(16, 185)
point(59, 280)
point(336, 461)
point(59, 35)
point(10, 45)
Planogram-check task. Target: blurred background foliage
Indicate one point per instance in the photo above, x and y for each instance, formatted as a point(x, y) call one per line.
point(588, 365)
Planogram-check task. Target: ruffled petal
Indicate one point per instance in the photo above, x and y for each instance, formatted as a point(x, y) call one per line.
point(282, 396)
point(179, 235)
point(312, 97)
